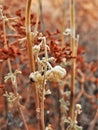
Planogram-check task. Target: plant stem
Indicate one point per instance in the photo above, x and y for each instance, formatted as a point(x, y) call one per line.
point(43, 86)
point(19, 106)
point(9, 66)
point(42, 107)
point(1, 71)
point(63, 22)
point(37, 20)
point(31, 56)
point(41, 15)
point(93, 122)
point(28, 33)
point(72, 9)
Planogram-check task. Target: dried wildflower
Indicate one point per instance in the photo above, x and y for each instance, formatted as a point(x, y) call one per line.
point(51, 59)
point(67, 93)
point(36, 49)
point(36, 77)
point(60, 53)
point(44, 65)
point(11, 98)
point(64, 105)
point(11, 52)
point(65, 63)
point(56, 73)
point(72, 124)
point(34, 34)
point(67, 32)
point(17, 72)
point(78, 107)
point(4, 18)
point(12, 76)
point(47, 92)
point(78, 111)
point(46, 60)
point(43, 43)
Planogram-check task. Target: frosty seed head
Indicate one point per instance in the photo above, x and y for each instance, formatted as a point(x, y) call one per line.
point(67, 32)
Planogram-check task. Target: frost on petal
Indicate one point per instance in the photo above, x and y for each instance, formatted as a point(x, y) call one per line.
point(56, 73)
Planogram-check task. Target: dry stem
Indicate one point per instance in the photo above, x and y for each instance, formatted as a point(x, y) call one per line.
point(31, 56)
point(41, 15)
point(63, 22)
point(73, 60)
point(43, 87)
point(28, 33)
point(42, 107)
point(94, 121)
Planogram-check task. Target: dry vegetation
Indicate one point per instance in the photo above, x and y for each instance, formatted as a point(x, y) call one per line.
point(37, 66)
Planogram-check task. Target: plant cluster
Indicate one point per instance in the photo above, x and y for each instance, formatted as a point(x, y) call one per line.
point(44, 78)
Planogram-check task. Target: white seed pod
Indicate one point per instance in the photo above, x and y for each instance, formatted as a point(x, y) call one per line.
point(67, 32)
point(36, 77)
point(33, 77)
point(78, 106)
point(56, 73)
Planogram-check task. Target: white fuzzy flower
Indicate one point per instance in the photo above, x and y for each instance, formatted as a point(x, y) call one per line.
point(67, 32)
point(56, 73)
point(78, 106)
point(12, 76)
point(36, 77)
point(12, 99)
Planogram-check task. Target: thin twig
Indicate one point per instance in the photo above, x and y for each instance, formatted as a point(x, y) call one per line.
point(80, 93)
point(92, 124)
point(37, 20)
point(43, 86)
